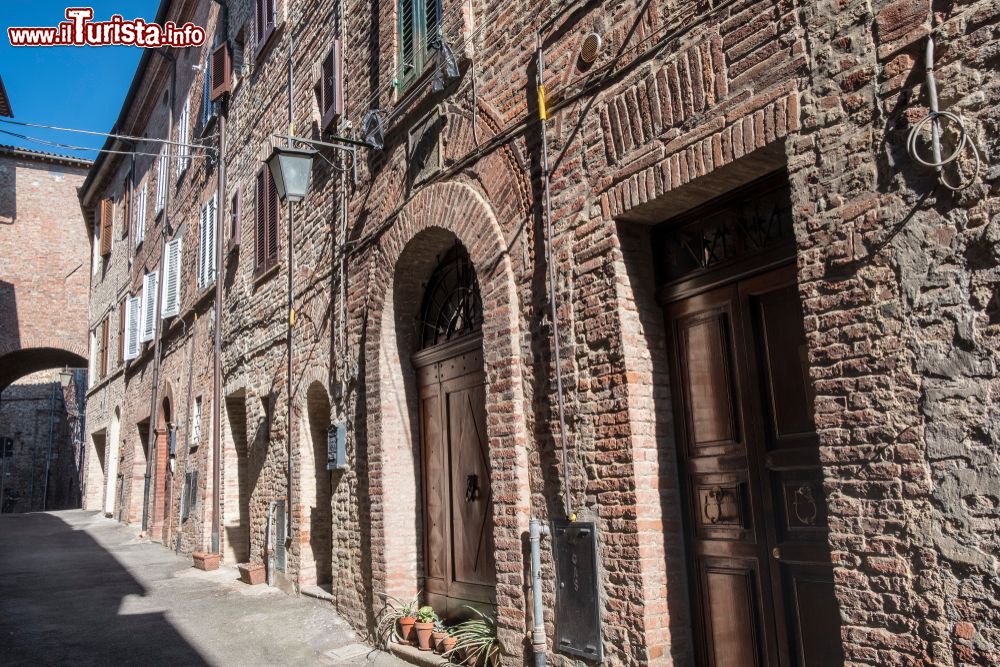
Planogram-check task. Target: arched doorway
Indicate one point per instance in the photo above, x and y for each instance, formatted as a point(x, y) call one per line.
point(161, 501)
point(112, 454)
point(458, 550)
point(317, 530)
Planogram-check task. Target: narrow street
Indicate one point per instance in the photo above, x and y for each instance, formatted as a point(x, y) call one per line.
point(77, 588)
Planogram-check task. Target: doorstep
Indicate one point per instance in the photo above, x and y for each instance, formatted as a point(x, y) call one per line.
point(316, 592)
point(415, 656)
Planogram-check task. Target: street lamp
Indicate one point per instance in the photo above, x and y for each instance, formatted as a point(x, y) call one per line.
point(291, 169)
point(65, 377)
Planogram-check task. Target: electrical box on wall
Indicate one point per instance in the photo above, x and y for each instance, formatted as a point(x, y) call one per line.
point(578, 611)
point(336, 446)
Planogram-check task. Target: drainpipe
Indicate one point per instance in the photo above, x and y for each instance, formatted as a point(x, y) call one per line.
point(291, 296)
point(156, 314)
point(543, 116)
point(268, 547)
point(538, 642)
point(217, 370)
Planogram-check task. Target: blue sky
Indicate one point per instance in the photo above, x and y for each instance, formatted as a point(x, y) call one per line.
point(81, 87)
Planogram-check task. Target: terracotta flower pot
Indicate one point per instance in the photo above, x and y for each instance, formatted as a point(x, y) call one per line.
point(205, 561)
point(406, 628)
point(424, 632)
point(252, 573)
point(448, 645)
point(437, 640)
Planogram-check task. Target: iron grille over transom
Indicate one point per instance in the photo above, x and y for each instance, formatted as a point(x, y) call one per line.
point(452, 307)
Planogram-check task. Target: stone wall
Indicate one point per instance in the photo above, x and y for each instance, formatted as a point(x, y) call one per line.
point(35, 427)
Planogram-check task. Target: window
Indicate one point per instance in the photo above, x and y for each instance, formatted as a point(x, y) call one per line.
point(140, 213)
point(265, 20)
point(163, 163)
point(266, 222)
point(170, 300)
point(121, 331)
point(148, 327)
point(330, 87)
point(234, 220)
point(133, 313)
point(183, 136)
point(239, 48)
point(206, 243)
point(106, 213)
point(419, 23)
point(208, 107)
point(195, 437)
point(103, 349)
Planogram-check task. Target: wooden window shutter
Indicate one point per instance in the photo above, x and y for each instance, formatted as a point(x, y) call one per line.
point(107, 217)
point(121, 330)
point(331, 86)
point(133, 310)
point(260, 220)
point(104, 347)
point(273, 215)
point(235, 224)
point(170, 300)
point(126, 208)
point(221, 71)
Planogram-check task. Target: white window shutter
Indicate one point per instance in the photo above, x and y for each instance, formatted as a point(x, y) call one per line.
point(203, 248)
point(213, 234)
point(161, 179)
point(149, 282)
point(133, 308)
point(140, 214)
point(170, 300)
point(182, 136)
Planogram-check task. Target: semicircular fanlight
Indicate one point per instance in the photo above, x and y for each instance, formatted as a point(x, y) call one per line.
point(452, 307)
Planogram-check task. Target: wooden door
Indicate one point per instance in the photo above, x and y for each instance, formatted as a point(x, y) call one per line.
point(459, 567)
point(760, 568)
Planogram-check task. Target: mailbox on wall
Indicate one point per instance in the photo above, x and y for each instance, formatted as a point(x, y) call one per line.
point(578, 600)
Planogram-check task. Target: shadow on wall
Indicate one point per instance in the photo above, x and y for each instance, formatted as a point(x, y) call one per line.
point(54, 612)
point(10, 331)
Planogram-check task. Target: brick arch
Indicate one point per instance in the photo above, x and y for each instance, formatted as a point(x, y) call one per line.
point(437, 216)
point(312, 403)
point(20, 362)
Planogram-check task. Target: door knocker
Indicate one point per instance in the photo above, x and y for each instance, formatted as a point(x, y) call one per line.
point(713, 511)
point(471, 488)
point(804, 500)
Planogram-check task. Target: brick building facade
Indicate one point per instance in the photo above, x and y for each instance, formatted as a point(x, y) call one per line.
point(777, 331)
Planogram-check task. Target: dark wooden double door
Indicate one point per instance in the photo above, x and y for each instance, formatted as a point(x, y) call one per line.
point(756, 532)
point(459, 565)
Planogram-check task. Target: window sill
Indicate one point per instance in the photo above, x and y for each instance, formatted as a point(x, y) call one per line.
point(262, 275)
point(264, 43)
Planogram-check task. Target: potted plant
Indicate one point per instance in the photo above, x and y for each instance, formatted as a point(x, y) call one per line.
point(426, 618)
point(395, 621)
point(437, 637)
point(252, 573)
point(205, 561)
point(477, 640)
point(448, 644)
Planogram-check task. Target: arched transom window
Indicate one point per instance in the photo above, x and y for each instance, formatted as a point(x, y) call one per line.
point(452, 307)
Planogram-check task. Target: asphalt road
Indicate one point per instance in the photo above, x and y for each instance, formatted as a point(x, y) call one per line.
point(79, 589)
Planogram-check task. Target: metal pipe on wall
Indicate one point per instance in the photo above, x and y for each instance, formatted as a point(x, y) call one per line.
point(538, 639)
point(567, 500)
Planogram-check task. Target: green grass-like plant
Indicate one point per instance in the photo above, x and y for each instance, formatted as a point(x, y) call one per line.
point(477, 639)
point(387, 625)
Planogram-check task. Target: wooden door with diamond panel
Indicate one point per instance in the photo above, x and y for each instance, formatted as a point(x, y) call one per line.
point(459, 564)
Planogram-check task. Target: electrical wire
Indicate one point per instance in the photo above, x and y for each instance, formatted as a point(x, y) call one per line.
point(124, 137)
point(69, 147)
point(932, 119)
